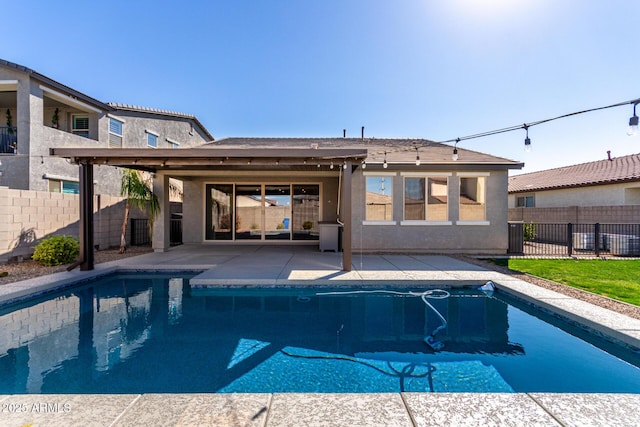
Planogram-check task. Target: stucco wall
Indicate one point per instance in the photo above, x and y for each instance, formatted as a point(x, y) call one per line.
point(491, 237)
point(578, 215)
point(597, 195)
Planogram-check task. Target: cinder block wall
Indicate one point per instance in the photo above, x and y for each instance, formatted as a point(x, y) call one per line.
point(629, 214)
point(27, 217)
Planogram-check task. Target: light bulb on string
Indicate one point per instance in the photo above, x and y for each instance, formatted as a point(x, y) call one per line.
point(527, 140)
point(454, 156)
point(384, 164)
point(417, 157)
point(633, 123)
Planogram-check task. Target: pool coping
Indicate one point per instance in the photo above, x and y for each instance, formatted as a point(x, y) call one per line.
point(411, 409)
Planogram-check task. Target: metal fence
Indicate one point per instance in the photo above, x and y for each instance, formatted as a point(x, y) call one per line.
point(574, 239)
point(140, 232)
point(8, 139)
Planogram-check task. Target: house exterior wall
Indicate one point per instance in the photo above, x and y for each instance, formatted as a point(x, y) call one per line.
point(597, 195)
point(629, 214)
point(490, 236)
point(31, 167)
point(176, 129)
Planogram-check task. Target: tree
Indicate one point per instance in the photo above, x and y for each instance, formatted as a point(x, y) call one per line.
point(139, 195)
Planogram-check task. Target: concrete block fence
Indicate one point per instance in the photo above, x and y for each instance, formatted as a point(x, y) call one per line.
point(27, 217)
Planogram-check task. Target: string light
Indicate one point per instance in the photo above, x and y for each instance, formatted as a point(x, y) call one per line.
point(364, 164)
point(527, 140)
point(384, 164)
point(417, 157)
point(633, 121)
point(331, 166)
point(454, 156)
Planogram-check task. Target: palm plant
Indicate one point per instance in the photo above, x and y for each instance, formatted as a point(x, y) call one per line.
point(139, 195)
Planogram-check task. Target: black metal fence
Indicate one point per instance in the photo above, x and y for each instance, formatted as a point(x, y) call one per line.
point(8, 139)
point(574, 239)
point(140, 232)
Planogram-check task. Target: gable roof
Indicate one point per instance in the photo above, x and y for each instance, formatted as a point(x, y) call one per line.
point(108, 106)
point(616, 170)
point(400, 151)
point(157, 111)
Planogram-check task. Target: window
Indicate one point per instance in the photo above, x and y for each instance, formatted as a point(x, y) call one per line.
point(425, 199)
point(80, 125)
point(472, 198)
point(379, 198)
point(525, 201)
point(115, 133)
point(172, 143)
point(66, 187)
point(152, 140)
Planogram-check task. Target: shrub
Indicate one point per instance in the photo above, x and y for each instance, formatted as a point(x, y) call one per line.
point(57, 250)
point(530, 231)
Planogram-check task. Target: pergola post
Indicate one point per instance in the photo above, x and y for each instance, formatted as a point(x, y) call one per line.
point(86, 215)
point(346, 217)
point(162, 223)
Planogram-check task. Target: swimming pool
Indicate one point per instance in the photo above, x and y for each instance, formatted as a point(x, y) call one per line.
point(154, 333)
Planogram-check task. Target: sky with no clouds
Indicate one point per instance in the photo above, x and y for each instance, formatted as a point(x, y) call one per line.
point(438, 70)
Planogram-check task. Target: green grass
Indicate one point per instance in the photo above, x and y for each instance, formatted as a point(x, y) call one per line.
point(617, 279)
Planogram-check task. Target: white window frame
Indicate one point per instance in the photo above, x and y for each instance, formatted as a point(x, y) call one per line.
point(425, 176)
point(473, 175)
point(154, 134)
point(73, 122)
point(173, 144)
point(391, 175)
point(121, 135)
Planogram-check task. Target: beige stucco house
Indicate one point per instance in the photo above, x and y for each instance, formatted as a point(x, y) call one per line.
point(387, 195)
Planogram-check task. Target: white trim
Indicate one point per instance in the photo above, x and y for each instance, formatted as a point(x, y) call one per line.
point(11, 85)
point(419, 222)
point(425, 174)
point(152, 133)
point(66, 99)
point(379, 173)
point(473, 223)
point(116, 118)
point(473, 174)
point(379, 223)
point(63, 178)
point(171, 141)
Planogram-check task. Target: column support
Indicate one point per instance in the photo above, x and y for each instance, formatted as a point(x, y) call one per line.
point(346, 217)
point(86, 216)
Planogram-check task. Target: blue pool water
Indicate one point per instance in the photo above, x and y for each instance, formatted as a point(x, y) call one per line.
point(153, 333)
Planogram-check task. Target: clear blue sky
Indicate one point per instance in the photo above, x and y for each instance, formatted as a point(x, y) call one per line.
point(404, 68)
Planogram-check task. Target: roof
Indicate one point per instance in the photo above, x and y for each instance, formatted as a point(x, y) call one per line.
point(616, 170)
point(157, 111)
point(109, 106)
point(50, 82)
point(400, 151)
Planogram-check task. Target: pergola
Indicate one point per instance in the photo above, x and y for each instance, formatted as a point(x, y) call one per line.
point(177, 161)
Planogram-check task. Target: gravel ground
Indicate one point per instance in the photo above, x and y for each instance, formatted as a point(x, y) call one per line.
point(599, 300)
point(29, 269)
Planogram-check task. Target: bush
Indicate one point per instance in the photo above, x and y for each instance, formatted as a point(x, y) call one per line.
point(530, 231)
point(57, 250)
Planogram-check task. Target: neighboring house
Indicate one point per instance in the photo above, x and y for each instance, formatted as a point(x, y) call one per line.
point(39, 113)
point(386, 199)
point(602, 191)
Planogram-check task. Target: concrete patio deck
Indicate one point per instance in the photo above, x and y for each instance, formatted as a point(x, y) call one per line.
point(299, 266)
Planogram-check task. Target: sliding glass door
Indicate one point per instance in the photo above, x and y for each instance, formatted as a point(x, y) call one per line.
point(262, 211)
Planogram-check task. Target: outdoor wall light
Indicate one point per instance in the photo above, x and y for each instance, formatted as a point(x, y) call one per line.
point(527, 140)
point(633, 122)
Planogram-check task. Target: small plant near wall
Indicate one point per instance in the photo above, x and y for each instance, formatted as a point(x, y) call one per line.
point(307, 225)
point(9, 121)
point(55, 119)
point(57, 250)
point(530, 231)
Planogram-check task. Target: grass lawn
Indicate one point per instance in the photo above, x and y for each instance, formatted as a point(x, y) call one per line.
point(617, 279)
